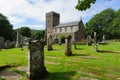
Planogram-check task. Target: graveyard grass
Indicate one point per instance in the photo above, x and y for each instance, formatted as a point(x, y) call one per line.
point(84, 63)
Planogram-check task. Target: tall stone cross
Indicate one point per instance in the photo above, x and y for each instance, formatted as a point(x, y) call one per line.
point(36, 68)
point(17, 40)
point(95, 42)
point(68, 51)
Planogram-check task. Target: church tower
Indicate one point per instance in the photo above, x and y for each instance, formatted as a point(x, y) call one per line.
point(52, 20)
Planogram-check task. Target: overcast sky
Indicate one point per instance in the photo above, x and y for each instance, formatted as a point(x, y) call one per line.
point(31, 13)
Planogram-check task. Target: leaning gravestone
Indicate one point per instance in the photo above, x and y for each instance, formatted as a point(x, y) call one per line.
point(89, 40)
point(49, 43)
point(7, 44)
point(95, 42)
point(36, 66)
point(2, 42)
point(68, 51)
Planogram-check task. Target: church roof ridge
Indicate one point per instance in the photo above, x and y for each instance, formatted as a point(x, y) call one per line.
point(73, 23)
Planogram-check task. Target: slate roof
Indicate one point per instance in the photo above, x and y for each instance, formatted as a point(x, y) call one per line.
point(68, 24)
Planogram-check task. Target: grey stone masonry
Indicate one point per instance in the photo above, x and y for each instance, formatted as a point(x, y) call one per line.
point(68, 51)
point(2, 44)
point(36, 68)
point(49, 43)
point(95, 42)
point(89, 40)
point(7, 44)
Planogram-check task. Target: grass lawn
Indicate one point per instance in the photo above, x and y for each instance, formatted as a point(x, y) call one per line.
point(85, 64)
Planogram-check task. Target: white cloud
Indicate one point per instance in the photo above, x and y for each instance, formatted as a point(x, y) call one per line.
point(37, 26)
point(36, 9)
point(16, 20)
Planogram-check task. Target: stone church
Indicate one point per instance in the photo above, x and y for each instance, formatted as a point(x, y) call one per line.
point(55, 29)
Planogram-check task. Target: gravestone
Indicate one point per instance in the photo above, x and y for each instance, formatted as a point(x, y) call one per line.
point(68, 51)
point(95, 42)
point(17, 40)
point(7, 44)
point(49, 43)
point(89, 40)
point(20, 45)
point(36, 68)
point(75, 44)
point(103, 39)
point(12, 44)
point(2, 45)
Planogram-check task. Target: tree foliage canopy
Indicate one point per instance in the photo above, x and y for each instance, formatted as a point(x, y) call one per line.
point(25, 31)
point(6, 29)
point(105, 23)
point(84, 4)
point(38, 34)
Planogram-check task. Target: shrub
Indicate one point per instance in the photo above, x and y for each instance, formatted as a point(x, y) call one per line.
point(62, 39)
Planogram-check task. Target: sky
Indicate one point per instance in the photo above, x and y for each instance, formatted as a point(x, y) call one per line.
point(31, 13)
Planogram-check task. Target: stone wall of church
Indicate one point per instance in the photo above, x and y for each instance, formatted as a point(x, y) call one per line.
point(65, 29)
point(58, 35)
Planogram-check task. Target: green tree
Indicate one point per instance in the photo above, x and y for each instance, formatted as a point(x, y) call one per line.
point(38, 34)
point(115, 25)
point(62, 39)
point(6, 29)
point(100, 23)
point(25, 31)
point(84, 4)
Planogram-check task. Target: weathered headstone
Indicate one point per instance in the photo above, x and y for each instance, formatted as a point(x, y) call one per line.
point(49, 43)
point(89, 40)
point(17, 40)
point(2, 45)
point(68, 51)
point(103, 39)
point(95, 42)
point(7, 44)
point(60, 41)
point(36, 66)
point(20, 45)
point(12, 44)
point(75, 44)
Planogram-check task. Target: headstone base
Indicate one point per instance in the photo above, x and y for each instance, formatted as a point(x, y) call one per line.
point(49, 48)
point(68, 52)
point(38, 75)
